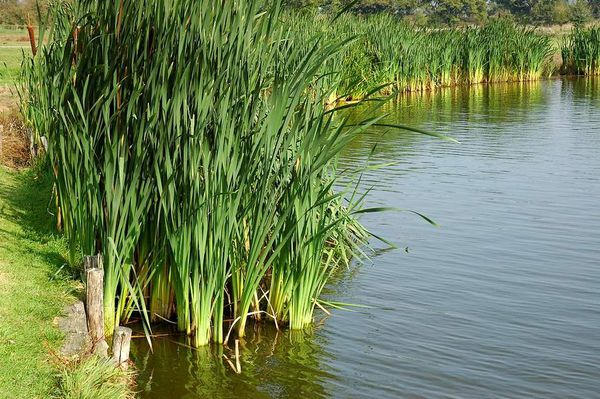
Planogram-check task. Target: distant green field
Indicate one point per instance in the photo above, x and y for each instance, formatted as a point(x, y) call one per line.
point(16, 32)
point(12, 44)
point(10, 62)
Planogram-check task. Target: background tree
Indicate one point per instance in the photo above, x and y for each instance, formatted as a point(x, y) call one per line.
point(581, 12)
point(520, 8)
point(595, 7)
point(454, 11)
point(551, 12)
point(561, 12)
point(420, 12)
point(17, 12)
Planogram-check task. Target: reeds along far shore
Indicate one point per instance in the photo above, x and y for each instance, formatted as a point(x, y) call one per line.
point(581, 51)
point(387, 50)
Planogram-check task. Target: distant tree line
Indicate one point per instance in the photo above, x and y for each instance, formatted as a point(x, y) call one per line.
point(424, 12)
point(19, 12)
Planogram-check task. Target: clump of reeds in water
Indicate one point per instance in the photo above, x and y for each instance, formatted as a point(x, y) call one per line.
point(191, 147)
point(581, 51)
point(386, 50)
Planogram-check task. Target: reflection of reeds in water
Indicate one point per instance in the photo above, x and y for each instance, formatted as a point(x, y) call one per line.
point(443, 104)
point(273, 364)
point(485, 109)
point(589, 87)
point(447, 110)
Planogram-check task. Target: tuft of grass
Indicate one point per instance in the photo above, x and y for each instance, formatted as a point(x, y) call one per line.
point(95, 378)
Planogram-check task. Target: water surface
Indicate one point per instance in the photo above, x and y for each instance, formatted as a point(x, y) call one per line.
point(502, 300)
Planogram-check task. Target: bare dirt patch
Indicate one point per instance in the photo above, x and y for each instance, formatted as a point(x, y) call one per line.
point(13, 39)
point(4, 280)
point(8, 99)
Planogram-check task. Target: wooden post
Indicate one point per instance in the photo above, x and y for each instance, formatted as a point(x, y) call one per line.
point(95, 310)
point(91, 262)
point(121, 345)
point(88, 263)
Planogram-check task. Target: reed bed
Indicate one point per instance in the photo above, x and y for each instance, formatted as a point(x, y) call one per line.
point(388, 50)
point(581, 51)
point(191, 147)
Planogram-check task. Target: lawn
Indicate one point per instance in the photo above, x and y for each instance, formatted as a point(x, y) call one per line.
point(12, 44)
point(33, 287)
point(10, 63)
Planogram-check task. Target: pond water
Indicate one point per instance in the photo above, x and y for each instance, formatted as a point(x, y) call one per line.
point(501, 300)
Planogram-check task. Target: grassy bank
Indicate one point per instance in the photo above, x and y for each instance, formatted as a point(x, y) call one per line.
point(10, 64)
point(34, 288)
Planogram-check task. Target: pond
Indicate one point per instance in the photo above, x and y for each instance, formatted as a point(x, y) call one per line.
point(501, 300)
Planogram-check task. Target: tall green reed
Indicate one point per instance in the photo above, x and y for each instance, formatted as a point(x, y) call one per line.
point(581, 51)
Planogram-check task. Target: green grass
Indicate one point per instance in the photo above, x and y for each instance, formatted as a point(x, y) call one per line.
point(34, 288)
point(10, 64)
point(13, 35)
point(30, 255)
point(95, 378)
point(12, 44)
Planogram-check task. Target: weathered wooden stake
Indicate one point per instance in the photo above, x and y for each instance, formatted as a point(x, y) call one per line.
point(91, 262)
point(95, 310)
point(121, 345)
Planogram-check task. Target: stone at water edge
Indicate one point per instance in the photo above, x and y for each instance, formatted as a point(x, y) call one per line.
point(74, 326)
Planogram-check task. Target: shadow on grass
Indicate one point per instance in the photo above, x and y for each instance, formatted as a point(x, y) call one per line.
point(26, 200)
